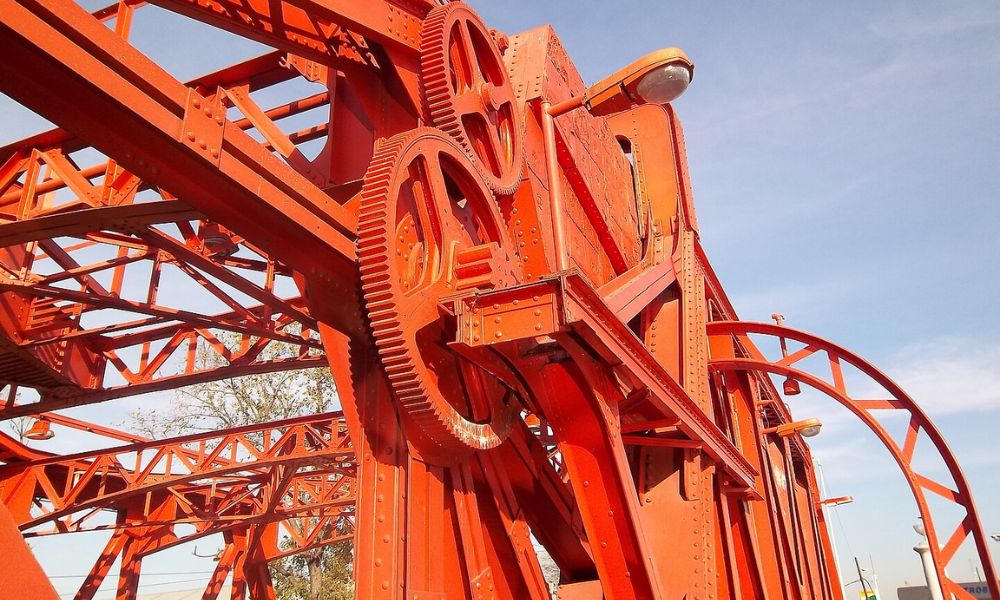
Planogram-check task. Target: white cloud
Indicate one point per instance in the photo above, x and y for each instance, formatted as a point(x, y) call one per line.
point(904, 25)
point(950, 375)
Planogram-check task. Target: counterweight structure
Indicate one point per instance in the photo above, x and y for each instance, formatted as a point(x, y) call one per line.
point(500, 266)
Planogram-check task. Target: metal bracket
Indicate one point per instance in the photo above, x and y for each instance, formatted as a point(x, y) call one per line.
point(482, 585)
point(691, 476)
point(310, 69)
point(203, 126)
point(520, 312)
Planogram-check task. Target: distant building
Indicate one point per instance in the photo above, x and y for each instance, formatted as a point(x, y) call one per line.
point(977, 588)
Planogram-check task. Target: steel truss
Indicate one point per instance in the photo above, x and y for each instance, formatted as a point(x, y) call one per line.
point(527, 339)
point(746, 356)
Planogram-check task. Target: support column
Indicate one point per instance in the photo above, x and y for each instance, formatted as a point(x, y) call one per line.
point(930, 573)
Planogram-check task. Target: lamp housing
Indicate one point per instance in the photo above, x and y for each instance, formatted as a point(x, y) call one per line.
point(659, 77)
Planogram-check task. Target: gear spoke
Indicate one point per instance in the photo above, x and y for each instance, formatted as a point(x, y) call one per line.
point(495, 144)
point(441, 213)
point(467, 90)
point(469, 46)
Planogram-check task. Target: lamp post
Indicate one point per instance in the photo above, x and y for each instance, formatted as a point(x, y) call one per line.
point(927, 562)
point(864, 582)
point(827, 505)
point(659, 77)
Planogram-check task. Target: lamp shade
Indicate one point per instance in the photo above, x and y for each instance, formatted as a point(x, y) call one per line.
point(39, 430)
point(664, 84)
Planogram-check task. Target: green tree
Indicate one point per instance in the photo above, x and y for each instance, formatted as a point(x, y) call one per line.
point(323, 573)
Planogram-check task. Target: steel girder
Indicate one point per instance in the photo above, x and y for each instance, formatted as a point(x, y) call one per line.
point(295, 477)
point(746, 356)
point(614, 442)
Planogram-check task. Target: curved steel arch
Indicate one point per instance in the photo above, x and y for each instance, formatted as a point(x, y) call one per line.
point(899, 401)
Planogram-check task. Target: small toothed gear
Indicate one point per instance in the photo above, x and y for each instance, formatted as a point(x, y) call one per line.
point(468, 93)
point(428, 228)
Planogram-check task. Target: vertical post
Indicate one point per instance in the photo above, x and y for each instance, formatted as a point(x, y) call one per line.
point(20, 574)
point(861, 578)
point(829, 530)
point(930, 573)
point(556, 206)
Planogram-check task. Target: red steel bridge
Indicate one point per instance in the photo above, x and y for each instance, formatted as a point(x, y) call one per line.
point(502, 269)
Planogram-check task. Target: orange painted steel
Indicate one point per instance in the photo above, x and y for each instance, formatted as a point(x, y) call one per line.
point(528, 342)
point(831, 381)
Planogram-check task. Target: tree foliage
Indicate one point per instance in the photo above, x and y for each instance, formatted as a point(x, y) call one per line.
point(322, 574)
point(248, 400)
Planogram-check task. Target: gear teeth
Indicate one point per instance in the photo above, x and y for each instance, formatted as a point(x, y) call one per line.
point(399, 354)
point(439, 107)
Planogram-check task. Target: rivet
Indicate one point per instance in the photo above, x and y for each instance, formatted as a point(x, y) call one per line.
point(498, 334)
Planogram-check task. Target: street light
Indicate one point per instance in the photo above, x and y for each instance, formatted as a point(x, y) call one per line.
point(659, 78)
point(806, 428)
point(838, 501)
point(39, 430)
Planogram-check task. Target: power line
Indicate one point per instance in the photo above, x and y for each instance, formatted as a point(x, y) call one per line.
point(142, 585)
point(143, 574)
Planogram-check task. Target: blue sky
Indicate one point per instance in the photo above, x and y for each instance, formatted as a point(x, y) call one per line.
point(845, 158)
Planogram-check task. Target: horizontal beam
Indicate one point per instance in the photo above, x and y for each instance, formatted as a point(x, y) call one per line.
point(327, 31)
point(80, 222)
point(99, 87)
point(568, 302)
point(60, 402)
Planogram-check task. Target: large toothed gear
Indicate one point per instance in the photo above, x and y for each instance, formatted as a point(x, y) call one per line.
point(468, 93)
point(428, 228)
